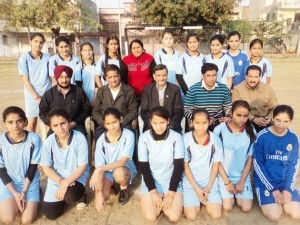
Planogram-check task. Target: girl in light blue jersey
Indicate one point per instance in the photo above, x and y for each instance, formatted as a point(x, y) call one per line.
point(86, 75)
point(237, 136)
point(62, 57)
point(256, 58)
point(65, 162)
point(20, 152)
point(161, 152)
point(113, 160)
point(203, 154)
point(222, 60)
point(190, 63)
point(112, 56)
point(167, 55)
point(239, 57)
point(33, 68)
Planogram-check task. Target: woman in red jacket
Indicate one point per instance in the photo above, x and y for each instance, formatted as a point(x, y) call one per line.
point(140, 66)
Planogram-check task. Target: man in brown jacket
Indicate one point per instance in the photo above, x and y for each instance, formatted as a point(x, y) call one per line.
point(114, 94)
point(260, 96)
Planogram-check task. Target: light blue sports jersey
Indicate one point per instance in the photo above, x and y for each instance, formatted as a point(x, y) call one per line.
point(201, 158)
point(241, 63)
point(16, 158)
point(161, 154)
point(37, 73)
point(107, 153)
point(65, 161)
point(170, 61)
point(266, 69)
point(87, 76)
point(225, 67)
point(190, 67)
point(56, 60)
point(237, 149)
point(101, 65)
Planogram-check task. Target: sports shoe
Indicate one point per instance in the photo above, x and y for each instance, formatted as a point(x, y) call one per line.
point(82, 203)
point(124, 196)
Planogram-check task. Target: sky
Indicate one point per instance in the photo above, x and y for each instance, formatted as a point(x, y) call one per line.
point(115, 3)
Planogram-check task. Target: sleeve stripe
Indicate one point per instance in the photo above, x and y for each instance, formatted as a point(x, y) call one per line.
point(261, 176)
point(292, 187)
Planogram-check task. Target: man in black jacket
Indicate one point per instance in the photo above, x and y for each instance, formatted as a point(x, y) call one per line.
point(68, 97)
point(162, 93)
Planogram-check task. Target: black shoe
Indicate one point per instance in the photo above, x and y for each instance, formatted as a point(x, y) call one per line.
point(116, 188)
point(124, 196)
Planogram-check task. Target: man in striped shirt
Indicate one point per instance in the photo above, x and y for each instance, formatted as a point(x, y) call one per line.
point(209, 94)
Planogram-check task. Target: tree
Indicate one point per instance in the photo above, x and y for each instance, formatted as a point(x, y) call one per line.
point(49, 15)
point(245, 28)
point(184, 12)
point(22, 14)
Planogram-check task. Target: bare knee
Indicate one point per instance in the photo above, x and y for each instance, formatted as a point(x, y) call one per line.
point(150, 218)
point(191, 216)
point(174, 218)
point(121, 175)
point(295, 215)
point(227, 207)
point(246, 208)
point(27, 220)
point(216, 215)
point(273, 216)
point(8, 219)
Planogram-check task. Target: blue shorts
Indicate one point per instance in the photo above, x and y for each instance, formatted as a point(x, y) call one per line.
point(247, 194)
point(265, 197)
point(161, 188)
point(190, 197)
point(32, 195)
point(31, 108)
point(130, 165)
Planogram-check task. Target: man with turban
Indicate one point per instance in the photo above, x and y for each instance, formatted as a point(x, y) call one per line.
point(68, 97)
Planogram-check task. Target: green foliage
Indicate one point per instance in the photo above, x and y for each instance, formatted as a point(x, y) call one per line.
point(49, 15)
point(270, 30)
point(184, 12)
point(245, 28)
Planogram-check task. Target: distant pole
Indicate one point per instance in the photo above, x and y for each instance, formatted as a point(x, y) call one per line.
point(120, 26)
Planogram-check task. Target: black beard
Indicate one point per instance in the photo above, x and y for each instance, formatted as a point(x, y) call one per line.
point(63, 87)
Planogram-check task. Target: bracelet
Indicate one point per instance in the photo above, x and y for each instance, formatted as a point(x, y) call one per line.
point(37, 97)
point(60, 179)
point(228, 184)
point(100, 190)
point(253, 119)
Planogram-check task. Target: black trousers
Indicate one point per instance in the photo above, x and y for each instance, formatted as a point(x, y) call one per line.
point(53, 210)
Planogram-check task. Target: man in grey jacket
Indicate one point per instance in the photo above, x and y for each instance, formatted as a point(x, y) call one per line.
point(114, 94)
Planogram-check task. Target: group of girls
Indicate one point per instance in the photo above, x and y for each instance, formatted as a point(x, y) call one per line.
point(216, 166)
point(179, 174)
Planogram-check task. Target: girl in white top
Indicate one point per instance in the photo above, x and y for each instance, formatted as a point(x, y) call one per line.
point(167, 55)
point(113, 159)
point(161, 152)
point(203, 154)
point(20, 153)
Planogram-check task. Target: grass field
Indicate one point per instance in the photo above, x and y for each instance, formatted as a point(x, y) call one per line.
point(285, 81)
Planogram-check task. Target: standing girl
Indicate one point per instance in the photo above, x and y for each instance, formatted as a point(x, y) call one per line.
point(190, 63)
point(112, 56)
point(62, 57)
point(65, 163)
point(20, 153)
point(167, 55)
point(203, 154)
point(276, 161)
point(140, 67)
point(237, 136)
point(239, 58)
point(161, 152)
point(113, 159)
point(222, 60)
point(256, 58)
point(86, 72)
point(33, 68)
